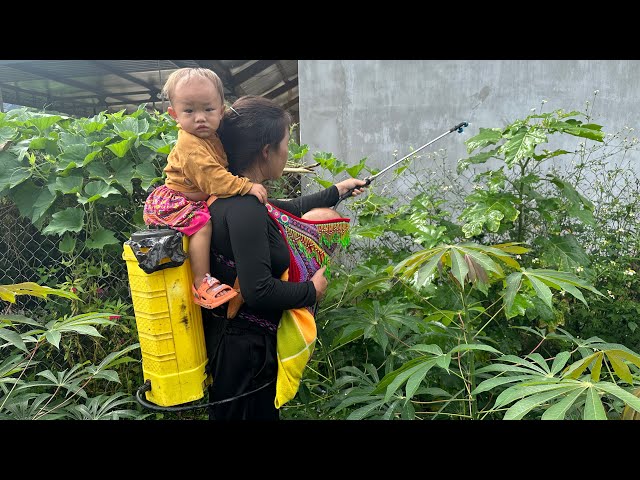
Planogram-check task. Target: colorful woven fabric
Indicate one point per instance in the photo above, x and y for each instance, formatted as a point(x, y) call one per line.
point(311, 244)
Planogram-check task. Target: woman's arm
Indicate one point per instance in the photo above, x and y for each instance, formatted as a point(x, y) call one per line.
point(248, 223)
point(324, 198)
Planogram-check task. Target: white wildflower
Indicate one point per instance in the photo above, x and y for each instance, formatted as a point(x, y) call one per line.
point(629, 271)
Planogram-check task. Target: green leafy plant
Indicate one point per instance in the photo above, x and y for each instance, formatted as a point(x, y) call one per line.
point(31, 390)
point(434, 324)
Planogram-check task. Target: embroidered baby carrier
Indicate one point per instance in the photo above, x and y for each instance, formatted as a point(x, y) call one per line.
point(311, 244)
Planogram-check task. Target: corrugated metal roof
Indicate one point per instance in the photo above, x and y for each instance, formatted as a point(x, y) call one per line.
point(86, 87)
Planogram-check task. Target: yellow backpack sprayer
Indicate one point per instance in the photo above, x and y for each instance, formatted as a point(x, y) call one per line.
point(169, 324)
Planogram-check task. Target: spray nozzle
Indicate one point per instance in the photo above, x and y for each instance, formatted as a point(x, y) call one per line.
point(462, 125)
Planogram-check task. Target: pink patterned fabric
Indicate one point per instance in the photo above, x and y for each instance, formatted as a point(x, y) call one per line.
point(165, 206)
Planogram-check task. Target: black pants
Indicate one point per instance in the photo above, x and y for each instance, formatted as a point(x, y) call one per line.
point(242, 357)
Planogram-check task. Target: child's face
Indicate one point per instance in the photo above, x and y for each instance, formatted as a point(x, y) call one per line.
point(197, 107)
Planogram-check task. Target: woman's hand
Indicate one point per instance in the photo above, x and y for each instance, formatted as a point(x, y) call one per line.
point(346, 185)
point(320, 282)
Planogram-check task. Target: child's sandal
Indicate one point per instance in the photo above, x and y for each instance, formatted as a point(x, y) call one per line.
point(207, 293)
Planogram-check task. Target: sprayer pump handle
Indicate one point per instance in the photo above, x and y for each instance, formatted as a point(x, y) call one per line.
point(349, 192)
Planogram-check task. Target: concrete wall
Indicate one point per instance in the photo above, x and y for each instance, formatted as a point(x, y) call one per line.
point(369, 108)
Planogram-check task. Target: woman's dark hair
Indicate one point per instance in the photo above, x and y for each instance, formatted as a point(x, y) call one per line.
point(251, 123)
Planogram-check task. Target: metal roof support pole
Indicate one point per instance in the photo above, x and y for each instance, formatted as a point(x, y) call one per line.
point(1, 102)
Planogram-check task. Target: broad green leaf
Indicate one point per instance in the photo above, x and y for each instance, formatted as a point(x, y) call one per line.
point(6, 134)
point(82, 329)
point(67, 244)
point(479, 158)
point(416, 379)
point(474, 346)
point(480, 255)
point(9, 292)
point(43, 122)
point(392, 376)
point(131, 128)
point(587, 130)
point(619, 367)
point(97, 190)
point(53, 338)
point(124, 171)
point(459, 267)
point(72, 156)
point(563, 252)
point(596, 368)
point(561, 281)
point(146, 172)
point(487, 136)
point(628, 398)
point(433, 349)
point(120, 149)
point(539, 360)
point(520, 391)
point(13, 319)
point(522, 145)
point(519, 409)
point(12, 172)
point(98, 170)
point(71, 184)
point(579, 366)
point(402, 377)
point(67, 220)
point(100, 238)
point(409, 265)
point(487, 208)
point(544, 293)
point(559, 410)
point(559, 362)
point(512, 282)
point(159, 145)
point(324, 183)
point(22, 195)
point(13, 338)
point(630, 356)
point(43, 201)
point(362, 412)
point(593, 408)
point(109, 375)
point(355, 170)
point(491, 383)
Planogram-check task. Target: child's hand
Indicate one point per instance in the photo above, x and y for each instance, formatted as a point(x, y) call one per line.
point(258, 191)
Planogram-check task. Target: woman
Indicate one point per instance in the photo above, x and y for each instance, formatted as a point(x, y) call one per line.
point(247, 243)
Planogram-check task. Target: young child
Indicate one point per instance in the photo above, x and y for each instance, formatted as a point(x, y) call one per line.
point(197, 170)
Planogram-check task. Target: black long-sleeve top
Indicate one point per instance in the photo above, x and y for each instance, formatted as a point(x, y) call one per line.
point(244, 233)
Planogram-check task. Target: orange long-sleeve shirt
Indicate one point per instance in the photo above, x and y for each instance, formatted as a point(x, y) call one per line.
point(200, 165)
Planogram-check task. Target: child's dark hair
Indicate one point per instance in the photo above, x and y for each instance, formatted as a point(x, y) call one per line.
point(251, 123)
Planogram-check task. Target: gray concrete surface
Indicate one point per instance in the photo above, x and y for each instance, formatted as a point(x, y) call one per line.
point(370, 108)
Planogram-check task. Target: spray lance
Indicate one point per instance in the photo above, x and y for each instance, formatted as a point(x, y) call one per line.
point(459, 128)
